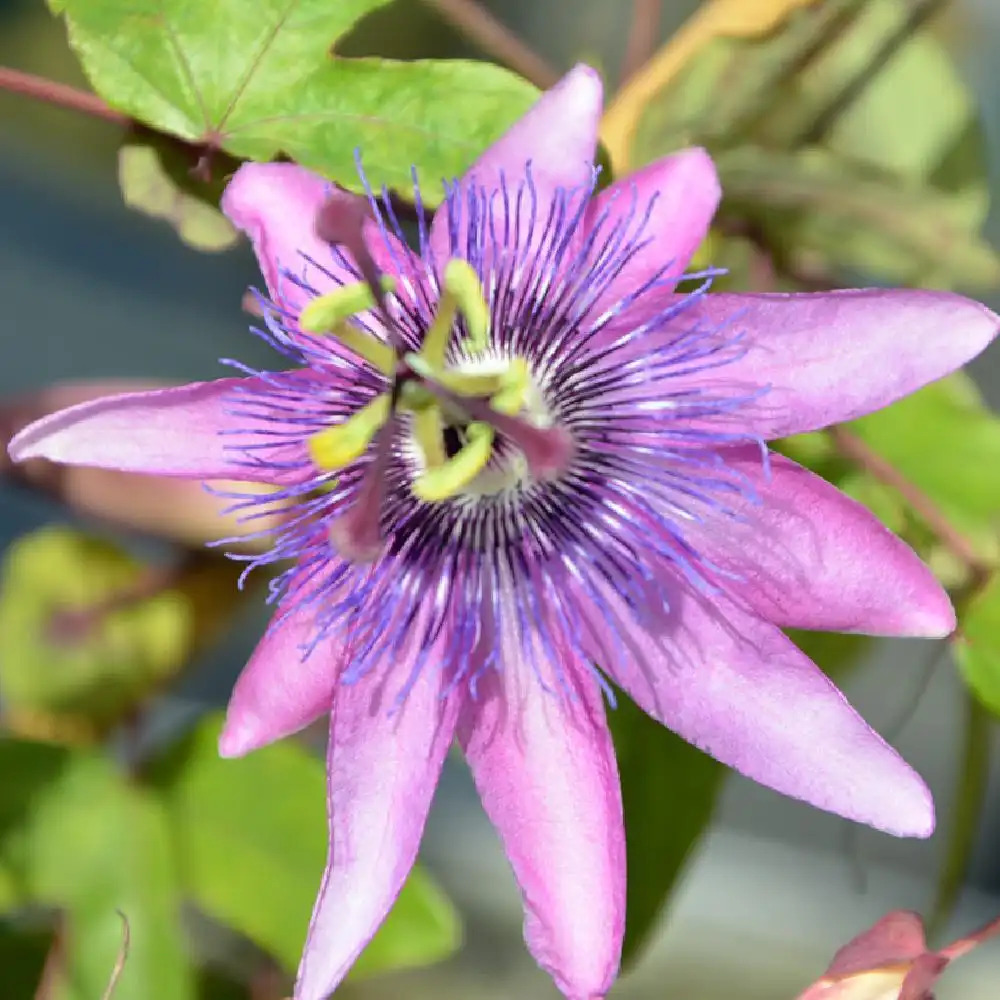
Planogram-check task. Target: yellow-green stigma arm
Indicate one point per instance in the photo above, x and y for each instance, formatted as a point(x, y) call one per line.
point(456, 473)
point(338, 446)
point(462, 293)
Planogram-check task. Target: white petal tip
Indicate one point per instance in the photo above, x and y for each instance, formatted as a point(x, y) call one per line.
point(238, 740)
point(915, 819)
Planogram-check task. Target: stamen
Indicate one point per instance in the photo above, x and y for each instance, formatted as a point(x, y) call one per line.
point(548, 450)
point(336, 447)
point(450, 477)
point(329, 314)
point(462, 293)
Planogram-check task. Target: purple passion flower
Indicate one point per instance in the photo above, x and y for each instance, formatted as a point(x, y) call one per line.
point(521, 463)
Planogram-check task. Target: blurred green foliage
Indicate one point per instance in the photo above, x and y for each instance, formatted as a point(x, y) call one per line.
point(68, 646)
point(87, 634)
point(846, 143)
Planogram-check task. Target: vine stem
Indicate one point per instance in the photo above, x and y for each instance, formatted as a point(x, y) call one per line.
point(643, 33)
point(496, 39)
point(853, 448)
point(61, 95)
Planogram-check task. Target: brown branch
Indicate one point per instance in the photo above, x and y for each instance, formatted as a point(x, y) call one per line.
point(496, 39)
point(853, 448)
point(60, 94)
point(643, 33)
point(54, 969)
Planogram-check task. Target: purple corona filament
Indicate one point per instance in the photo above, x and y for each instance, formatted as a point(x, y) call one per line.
point(629, 489)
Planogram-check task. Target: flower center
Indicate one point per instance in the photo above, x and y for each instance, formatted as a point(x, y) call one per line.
point(476, 423)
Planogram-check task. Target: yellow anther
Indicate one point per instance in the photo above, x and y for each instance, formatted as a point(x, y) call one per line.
point(463, 293)
point(329, 314)
point(515, 387)
point(456, 473)
point(428, 432)
point(338, 446)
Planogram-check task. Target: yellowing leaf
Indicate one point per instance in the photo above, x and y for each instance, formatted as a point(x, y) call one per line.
point(148, 186)
point(715, 19)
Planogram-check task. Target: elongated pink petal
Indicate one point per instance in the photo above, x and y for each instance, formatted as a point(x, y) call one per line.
point(276, 205)
point(281, 691)
point(736, 687)
point(830, 357)
point(545, 769)
point(383, 764)
point(184, 431)
point(558, 136)
point(807, 556)
point(683, 191)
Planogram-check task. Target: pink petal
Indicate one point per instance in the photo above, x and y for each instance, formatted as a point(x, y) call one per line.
point(545, 769)
point(834, 356)
point(558, 135)
point(279, 691)
point(923, 974)
point(383, 766)
point(684, 191)
point(167, 432)
point(737, 688)
point(810, 557)
point(897, 937)
point(276, 205)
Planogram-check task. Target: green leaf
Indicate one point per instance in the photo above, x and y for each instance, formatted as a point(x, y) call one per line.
point(155, 179)
point(251, 835)
point(259, 79)
point(850, 217)
point(65, 647)
point(100, 847)
point(669, 790)
point(977, 648)
point(23, 951)
point(29, 768)
point(946, 442)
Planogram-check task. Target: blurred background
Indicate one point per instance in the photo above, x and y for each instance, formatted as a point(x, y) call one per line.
point(93, 290)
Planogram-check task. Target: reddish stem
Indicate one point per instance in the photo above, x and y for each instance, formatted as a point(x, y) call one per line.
point(496, 39)
point(643, 34)
point(59, 94)
point(854, 448)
